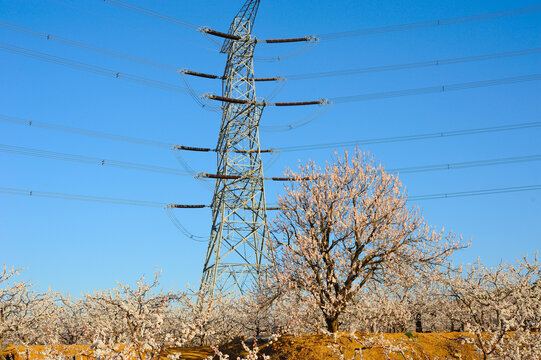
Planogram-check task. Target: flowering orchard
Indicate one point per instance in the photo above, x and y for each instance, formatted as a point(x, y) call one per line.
point(351, 257)
point(499, 307)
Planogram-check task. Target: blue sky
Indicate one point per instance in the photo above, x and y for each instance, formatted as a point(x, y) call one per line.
point(80, 246)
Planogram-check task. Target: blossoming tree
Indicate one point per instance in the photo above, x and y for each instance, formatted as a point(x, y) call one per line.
point(347, 224)
point(501, 307)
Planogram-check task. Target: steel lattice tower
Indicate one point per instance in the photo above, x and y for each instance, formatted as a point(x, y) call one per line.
point(238, 254)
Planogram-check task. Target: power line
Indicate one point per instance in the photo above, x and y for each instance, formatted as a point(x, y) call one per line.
point(289, 54)
point(19, 150)
point(415, 137)
point(361, 32)
point(172, 171)
point(432, 23)
point(91, 68)
point(414, 65)
point(176, 222)
point(202, 29)
point(381, 95)
point(90, 160)
point(475, 193)
point(79, 9)
point(99, 199)
point(466, 164)
point(414, 169)
point(385, 140)
point(341, 99)
point(82, 45)
point(109, 200)
point(436, 89)
point(85, 132)
point(152, 13)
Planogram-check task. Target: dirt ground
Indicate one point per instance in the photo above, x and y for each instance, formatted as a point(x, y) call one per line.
point(320, 347)
point(423, 346)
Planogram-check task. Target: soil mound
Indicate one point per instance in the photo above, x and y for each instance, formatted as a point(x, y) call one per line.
point(360, 346)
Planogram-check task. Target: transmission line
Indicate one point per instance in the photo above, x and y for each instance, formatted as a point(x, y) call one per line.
point(99, 199)
point(85, 132)
point(392, 28)
point(186, 232)
point(91, 68)
point(85, 46)
point(337, 100)
point(176, 222)
point(78, 8)
point(437, 89)
point(466, 164)
point(414, 169)
point(161, 144)
point(395, 94)
point(190, 172)
point(19, 150)
point(352, 33)
point(415, 137)
point(432, 23)
point(90, 160)
point(152, 13)
point(345, 72)
point(109, 200)
point(386, 94)
point(475, 193)
point(289, 54)
point(414, 65)
point(202, 29)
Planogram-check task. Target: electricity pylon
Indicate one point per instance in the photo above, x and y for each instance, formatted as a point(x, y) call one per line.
point(238, 255)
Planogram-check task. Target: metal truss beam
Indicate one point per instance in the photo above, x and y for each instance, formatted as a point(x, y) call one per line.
point(238, 254)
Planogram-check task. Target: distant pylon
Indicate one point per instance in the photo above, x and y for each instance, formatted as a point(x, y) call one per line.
point(238, 255)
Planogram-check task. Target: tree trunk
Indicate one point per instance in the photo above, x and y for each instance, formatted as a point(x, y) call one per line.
point(418, 323)
point(332, 323)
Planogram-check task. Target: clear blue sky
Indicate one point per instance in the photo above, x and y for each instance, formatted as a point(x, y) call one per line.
point(80, 246)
